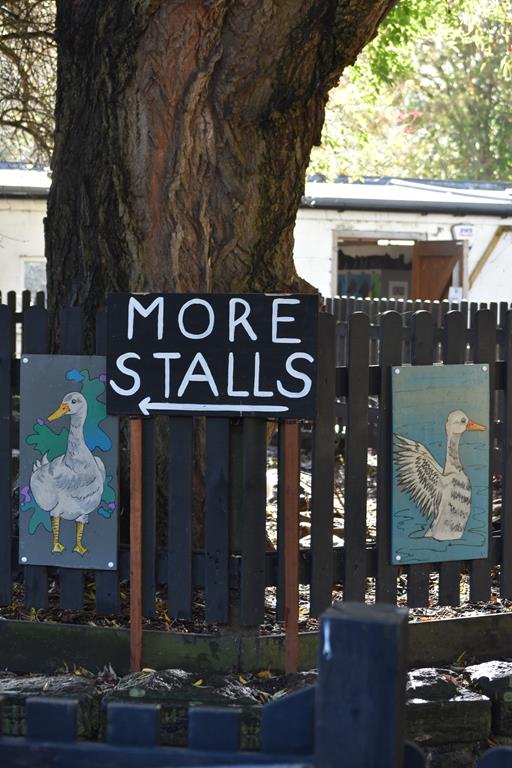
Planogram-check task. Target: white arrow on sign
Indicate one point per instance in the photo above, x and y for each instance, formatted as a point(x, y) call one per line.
point(146, 406)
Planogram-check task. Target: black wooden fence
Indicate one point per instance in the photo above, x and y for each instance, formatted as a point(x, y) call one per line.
point(234, 560)
point(368, 349)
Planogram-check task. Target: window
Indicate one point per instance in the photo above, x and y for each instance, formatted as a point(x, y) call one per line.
point(34, 275)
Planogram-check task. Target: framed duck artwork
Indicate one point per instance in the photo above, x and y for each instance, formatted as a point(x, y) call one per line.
point(440, 443)
point(68, 464)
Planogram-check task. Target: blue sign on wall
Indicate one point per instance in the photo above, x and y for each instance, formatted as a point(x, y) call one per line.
point(440, 491)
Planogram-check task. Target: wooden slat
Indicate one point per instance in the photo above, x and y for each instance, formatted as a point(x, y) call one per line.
point(35, 341)
point(280, 524)
point(288, 723)
point(25, 300)
point(484, 352)
point(71, 580)
point(342, 316)
point(214, 730)
point(322, 469)
point(422, 353)
point(179, 567)
point(217, 521)
point(6, 321)
point(374, 320)
point(135, 545)
point(356, 460)
point(131, 725)
point(360, 696)
point(291, 538)
point(149, 517)
point(49, 720)
point(502, 314)
point(252, 599)
point(454, 352)
point(506, 506)
point(107, 582)
point(390, 354)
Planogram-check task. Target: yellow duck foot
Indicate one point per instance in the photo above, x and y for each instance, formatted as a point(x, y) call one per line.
point(57, 546)
point(79, 547)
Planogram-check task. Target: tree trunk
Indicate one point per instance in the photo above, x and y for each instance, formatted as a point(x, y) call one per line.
point(183, 133)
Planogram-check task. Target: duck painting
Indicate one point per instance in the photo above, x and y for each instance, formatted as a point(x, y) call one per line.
point(441, 493)
point(70, 486)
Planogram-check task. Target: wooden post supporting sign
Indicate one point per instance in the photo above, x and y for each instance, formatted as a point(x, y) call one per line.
point(135, 545)
point(291, 544)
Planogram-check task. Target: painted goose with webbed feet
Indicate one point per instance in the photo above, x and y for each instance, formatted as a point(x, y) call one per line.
point(71, 486)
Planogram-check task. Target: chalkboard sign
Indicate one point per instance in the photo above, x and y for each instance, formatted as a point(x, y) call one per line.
point(217, 354)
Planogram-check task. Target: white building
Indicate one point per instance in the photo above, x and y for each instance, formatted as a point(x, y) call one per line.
point(388, 237)
point(406, 239)
point(23, 197)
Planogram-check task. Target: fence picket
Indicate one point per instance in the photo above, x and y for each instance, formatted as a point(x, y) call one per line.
point(253, 538)
point(322, 469)
point(422, 346)
point(25, 300)
point(6, 467)
point(484, 352)
point(107, 582)
point(280, 575)
point(288, 723)
point(454, 352)
point(390, 354)
point(71, 580)
point(361, 645)
point(356, 460)
point(214, 729)
point(11, 303)
point(51, 720)
point(179, 539)
point(35, 342)
point(149, 512)
point(217, 521)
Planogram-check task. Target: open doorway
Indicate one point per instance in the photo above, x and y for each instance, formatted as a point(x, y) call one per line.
point(398, 267)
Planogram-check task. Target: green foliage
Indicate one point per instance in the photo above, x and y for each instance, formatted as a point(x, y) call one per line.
point(390, 55)
point(426, 100)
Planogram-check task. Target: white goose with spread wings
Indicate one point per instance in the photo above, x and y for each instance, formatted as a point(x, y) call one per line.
point(442, 494)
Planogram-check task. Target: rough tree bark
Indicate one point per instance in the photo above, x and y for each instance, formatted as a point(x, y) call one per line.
point(183, 132)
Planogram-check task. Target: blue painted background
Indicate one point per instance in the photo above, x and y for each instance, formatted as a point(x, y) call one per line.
point(423, 396)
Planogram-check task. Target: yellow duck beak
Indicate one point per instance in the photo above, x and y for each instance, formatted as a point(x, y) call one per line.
point(61, 411)
point(474, 427)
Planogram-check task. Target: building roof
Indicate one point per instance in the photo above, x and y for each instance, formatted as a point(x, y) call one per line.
point(17, 180)
point(412, 196)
